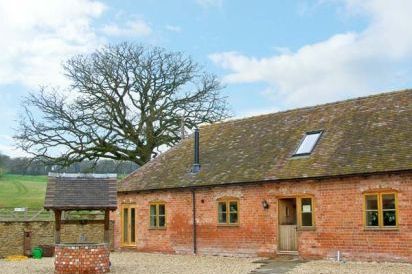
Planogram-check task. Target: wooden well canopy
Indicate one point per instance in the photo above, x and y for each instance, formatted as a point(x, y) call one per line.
point(68, 192)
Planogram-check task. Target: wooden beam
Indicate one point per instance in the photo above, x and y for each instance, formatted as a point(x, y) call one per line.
point(57, 224)
point(106, 226)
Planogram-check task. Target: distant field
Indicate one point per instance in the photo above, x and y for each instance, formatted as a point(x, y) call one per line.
point(22, 191)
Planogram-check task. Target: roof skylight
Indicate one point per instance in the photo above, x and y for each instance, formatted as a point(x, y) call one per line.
point(308, 143)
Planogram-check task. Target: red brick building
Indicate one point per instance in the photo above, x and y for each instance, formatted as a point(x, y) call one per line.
point(312, 181)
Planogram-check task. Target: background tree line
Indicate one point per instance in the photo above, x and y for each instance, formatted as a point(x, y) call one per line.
point(28, 166)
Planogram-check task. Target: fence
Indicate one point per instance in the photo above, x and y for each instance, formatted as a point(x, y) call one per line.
point(40, 214)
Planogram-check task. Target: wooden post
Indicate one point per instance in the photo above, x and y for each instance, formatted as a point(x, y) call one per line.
point(106, 226)
point(27, 243)
point(57, 224)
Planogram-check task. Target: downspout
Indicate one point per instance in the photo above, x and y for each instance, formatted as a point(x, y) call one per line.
point(194, 221)
point(195, 170)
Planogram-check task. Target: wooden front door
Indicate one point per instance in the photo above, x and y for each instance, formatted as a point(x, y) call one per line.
point(287, 238)
point(128, 225)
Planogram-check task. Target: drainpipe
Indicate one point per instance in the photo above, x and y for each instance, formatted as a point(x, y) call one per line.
point(194, 221)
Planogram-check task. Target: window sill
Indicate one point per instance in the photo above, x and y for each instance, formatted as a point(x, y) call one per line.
point(309, 228)
point(128, 245)
point(381, 229)
point(157, 228)
point(228, 225)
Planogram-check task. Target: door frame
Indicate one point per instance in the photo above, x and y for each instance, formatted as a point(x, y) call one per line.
point(295, 197)
point(129, 231)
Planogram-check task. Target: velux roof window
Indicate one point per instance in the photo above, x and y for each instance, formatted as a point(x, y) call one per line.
point(308, 143)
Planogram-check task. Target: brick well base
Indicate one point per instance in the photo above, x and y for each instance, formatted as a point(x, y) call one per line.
point(81, 258)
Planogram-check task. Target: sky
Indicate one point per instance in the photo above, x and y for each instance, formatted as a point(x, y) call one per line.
point(270, 55)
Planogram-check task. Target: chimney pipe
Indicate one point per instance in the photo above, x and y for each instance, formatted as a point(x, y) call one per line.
point(196, 163)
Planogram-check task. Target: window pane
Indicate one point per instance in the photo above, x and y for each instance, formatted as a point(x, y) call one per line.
point(308, 143)
point(161, 209)
point(306, 219)
point(222, 218)
point(152, 209)
point(306, 205)
point(233, 207)
point(371, 202)
point(162, 221)
point(388, 201)
point(153, 221)
point(132, 225)
point(125, 224)
point(372, 218)
point(233, 218)
point(222, 207)
point(389, 218)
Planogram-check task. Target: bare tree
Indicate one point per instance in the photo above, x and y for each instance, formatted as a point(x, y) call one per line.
point(125, 103)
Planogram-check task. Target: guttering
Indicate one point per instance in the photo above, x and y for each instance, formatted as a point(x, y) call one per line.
point(326, 177)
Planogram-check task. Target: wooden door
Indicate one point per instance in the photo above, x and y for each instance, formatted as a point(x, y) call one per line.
point(128, 225)
point(287, 238)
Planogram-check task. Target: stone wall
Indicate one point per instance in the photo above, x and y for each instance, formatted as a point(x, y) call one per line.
point(42, 233)
point(338, 217)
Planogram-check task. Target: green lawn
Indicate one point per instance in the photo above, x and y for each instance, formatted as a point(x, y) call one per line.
point(22, 190)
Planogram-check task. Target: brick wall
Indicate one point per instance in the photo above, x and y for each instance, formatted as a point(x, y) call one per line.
point(82, 259)
point(12, 234)
point(176, 238)
point(338, 216)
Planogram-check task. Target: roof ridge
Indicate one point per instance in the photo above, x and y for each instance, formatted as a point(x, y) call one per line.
point(381, 94)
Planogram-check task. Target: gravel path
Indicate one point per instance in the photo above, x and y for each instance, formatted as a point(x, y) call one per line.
point(184, 264)
point(329, 267)
point(132, 262)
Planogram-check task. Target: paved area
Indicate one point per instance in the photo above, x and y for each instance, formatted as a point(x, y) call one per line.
point(277, 265)
point(332, 267)
point(295, 266)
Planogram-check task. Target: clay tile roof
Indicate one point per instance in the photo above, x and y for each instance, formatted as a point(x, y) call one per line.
point(364, 135)
point(81, 191)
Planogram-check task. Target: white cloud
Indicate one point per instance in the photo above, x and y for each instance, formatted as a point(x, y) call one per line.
point(8, 149)
point(11, 151)
point(173, 28)
point(345, 65)
point(255, 112)
point(210, 3)
point(130, 29)
point(38, 35)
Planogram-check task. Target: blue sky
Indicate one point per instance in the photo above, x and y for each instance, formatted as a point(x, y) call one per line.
point(271, 55)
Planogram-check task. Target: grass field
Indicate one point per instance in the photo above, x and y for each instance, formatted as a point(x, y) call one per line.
point(22, 190)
